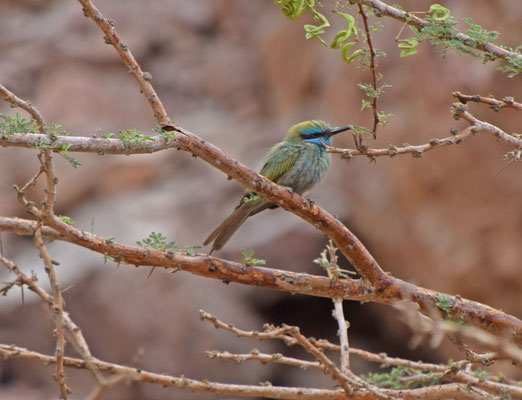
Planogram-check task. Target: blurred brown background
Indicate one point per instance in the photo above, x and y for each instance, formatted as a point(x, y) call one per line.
point(239, 74)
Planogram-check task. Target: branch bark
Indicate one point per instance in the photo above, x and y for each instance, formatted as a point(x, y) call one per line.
point(483, 316)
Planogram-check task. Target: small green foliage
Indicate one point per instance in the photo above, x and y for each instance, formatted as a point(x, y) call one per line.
point(107, 257)
point(293, 9)
point(397, 378)
point(365, 104)
point(66, 219)
point(315, 31)
point(167, 135)
point(342, 36)
point(109, 135)
point(189, 249)
point(42, 144)
point(481, 374)
point(110, 240)
point(384, 117)
point(441, 30)
point(157, 241)
point(481, 35)
point(64, 153)
point(57, 130)
point(369, 91)
point(16, 124)
point(249, 260)
point(362, 130)
point(328, 261)
point(445, 304)
point(439, 13)
point(408, 47)
point(512, 64)
point(323, 263)
point(377, 27)
point(132, 137)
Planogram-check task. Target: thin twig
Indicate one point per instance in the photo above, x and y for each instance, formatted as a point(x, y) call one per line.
point(23, 104)
point(143, 78)
point(57, 312)
point(454, 371)
point(331, 368)
point(75, 335)
point(460, 111)
point(338, 314)
point(436, 392)
point(329, 261)
point(415, 150)
point(497, 105)
point(276, 358)
point(372, 70)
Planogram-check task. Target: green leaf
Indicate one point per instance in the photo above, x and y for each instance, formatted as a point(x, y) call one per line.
point(189, 249)
point(408, 47)
point(64, 153)
point(66, 219)
point(293, 9)
point(249, 260)
point(445, 304)
point(16, 124)
point(132, 137)
point(439, 13)
point(157, 241)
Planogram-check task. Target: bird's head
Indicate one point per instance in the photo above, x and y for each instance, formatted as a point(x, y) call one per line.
point(314, 131)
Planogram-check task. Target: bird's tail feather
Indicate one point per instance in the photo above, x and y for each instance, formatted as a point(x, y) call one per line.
point(221, 235)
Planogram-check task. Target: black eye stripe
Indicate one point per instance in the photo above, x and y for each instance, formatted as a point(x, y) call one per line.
point(314, 135)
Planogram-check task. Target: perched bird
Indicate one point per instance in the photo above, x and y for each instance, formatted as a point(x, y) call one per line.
point(298, 162)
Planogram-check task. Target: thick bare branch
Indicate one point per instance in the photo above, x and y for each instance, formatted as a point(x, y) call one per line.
point(488, 318)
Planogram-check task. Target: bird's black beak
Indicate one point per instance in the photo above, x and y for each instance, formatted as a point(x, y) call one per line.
point(339, 129)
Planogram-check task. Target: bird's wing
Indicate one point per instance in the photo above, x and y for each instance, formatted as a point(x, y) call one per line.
point(279, 161)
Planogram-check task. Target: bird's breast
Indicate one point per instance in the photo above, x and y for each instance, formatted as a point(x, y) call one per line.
point(310, 167)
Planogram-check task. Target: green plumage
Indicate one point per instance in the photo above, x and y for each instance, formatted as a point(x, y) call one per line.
point(298, 162)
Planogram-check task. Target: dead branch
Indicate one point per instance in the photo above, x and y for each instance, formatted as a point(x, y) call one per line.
point(453, 372)
point(274, 392)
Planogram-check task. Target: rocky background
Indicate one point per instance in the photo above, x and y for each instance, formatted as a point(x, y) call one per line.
point(237, 73)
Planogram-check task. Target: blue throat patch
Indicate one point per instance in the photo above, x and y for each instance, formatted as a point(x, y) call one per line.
point(320, 141)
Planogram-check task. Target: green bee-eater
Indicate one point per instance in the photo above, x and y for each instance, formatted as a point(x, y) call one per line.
point(298, 162)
